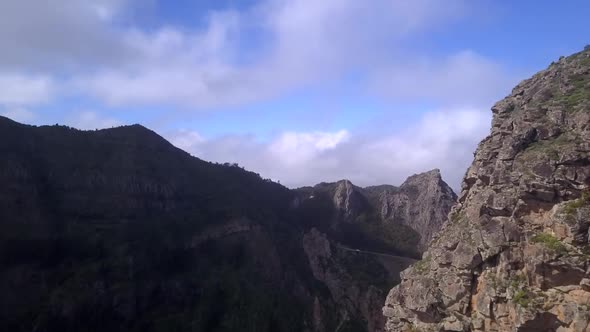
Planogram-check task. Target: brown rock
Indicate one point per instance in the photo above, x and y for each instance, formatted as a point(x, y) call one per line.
point(513, 254)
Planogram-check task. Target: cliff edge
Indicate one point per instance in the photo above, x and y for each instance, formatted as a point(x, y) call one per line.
point(514, 254)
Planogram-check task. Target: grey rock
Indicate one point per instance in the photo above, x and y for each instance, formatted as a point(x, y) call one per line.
point(348, 200)
point(422, 203)
point(415, 209)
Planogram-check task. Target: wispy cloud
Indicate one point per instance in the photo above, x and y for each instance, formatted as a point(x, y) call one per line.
point(89, 51)
point(24, 90)
point(61, 35)
point(465, 78)
point(305, 42)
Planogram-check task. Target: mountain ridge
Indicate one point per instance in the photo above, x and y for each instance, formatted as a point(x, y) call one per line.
point(117, 229)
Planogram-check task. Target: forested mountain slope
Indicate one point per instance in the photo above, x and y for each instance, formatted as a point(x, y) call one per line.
point(118, 230)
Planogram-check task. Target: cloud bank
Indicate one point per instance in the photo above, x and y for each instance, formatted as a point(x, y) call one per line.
point(442, 139)
point(237, 57)
point(95, 51)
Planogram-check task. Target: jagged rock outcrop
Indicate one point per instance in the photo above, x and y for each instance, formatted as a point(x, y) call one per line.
point(411, 213)
point(422, 203)
point(348, 201)
point(514, 254)
point(383, 223)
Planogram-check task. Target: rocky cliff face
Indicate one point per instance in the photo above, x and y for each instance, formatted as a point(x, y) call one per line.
point(408, 215)
point(514, 254)
point(348, 201)
point(385, 223)
point(420, 203)
point(356, 280)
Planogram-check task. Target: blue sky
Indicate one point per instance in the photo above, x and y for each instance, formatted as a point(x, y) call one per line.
point(301, 91)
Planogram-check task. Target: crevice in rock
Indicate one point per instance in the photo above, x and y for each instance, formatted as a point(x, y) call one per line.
point(428, 318)
point(543, 322)
point(493, 212)
point(576, 162)
point(485, 180)
point(475, 274)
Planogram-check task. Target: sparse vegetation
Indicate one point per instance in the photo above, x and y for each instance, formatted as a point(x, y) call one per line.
point(457, 216)
point(422, 265)
point(499, 285)
point(580, 91)
point(522, 298)
point(413, 329)
point(548, 147)
point(572, 206)
point(550, 242)
point(518, 281)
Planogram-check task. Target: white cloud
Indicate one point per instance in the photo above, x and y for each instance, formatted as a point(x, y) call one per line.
point(296, 149)
point(237, 58)
point(21, 90)
point(176, 68)
point(187, 140)
point(61, 35)
point(89, 120)
point(465, 77)
point(442, 139)
point(275, 47)
point(305, 42)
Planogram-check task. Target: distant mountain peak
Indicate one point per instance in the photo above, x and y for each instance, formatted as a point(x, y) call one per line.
point(428, 176)
point(347, 199)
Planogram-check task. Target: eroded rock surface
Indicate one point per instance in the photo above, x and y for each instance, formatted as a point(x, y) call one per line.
point(513, 255)
point(408, 215)
point(359, 237)
point(420, 203)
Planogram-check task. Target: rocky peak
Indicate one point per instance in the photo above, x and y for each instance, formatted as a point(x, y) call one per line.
point(513, 255)
point(432, 177)
point(356, 252)
point(347, 199)
point(422, 203)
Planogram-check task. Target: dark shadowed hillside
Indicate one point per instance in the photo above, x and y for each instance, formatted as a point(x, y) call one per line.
point(105, 230)
point(117, 230)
